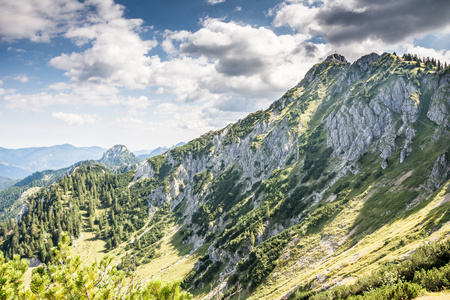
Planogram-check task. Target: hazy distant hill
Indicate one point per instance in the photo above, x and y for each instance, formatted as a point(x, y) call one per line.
point(12, 171)
point(144, 154)
point(6, 182)
point(19, 163)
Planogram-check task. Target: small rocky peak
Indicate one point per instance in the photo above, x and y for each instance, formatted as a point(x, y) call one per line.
point(114, 151)
point(336, 58)
point(118, 154)
point(366, 60)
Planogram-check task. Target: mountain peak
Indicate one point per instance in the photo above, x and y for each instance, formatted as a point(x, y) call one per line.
point(118, 149)
point(332, 61)
point(119, 156)
point(336, 58)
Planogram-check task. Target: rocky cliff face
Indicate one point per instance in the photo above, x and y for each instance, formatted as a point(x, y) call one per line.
point(333, 138)
point(362, 107)
point(243, 185)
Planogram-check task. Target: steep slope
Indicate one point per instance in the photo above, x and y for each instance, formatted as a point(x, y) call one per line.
point(13, 197)
point(348, 171)
point(368, 134)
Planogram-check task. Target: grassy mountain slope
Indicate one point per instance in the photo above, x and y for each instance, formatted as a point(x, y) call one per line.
point(347, 172)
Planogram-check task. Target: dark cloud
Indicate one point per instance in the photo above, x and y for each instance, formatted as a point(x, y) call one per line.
point(310, 49)
point(96, 71)
point(239, 66)
point(388, 21)
point(209, 50)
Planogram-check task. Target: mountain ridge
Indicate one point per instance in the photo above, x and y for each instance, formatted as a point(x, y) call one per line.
point(25, 161)
point(347, 171)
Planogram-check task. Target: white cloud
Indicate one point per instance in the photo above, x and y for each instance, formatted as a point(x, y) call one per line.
point(1, 82)
point(442, 55)
point(35, 101)
point(22, 78)
point(227, 62)
point(213, 2)
point(16, 49)
point(76, 119)
point(129, 122)
point(37, 20)
point(76, 98)
point(118, 55)
point(133, 105)
point(229, 66)
point(167, 108)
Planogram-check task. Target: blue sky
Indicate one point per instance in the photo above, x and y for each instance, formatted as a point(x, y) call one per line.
point(154, 73)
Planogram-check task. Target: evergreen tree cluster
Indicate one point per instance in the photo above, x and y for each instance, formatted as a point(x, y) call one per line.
point(90, 199)
point(427, 61)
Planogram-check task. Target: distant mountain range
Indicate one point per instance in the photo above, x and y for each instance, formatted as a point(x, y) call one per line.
point(144, 154)
point(22, 162)
point(19, 163)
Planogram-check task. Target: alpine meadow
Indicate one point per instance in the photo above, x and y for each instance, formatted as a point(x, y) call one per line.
point(339, 190)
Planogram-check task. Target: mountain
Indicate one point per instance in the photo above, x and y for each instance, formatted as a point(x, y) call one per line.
point(6, 182)
point(346, 173)
point(160, 150)
point(14, 196)
point(12, 171)
point(119, 157)
point(19, 163)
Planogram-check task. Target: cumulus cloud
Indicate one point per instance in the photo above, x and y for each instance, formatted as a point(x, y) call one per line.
point(118, 55)
point(442, 55)
point(37, 20)
point(22, 78)
point(76, 119)
point(230, 61)
point(380, 24)
point(226, 65)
